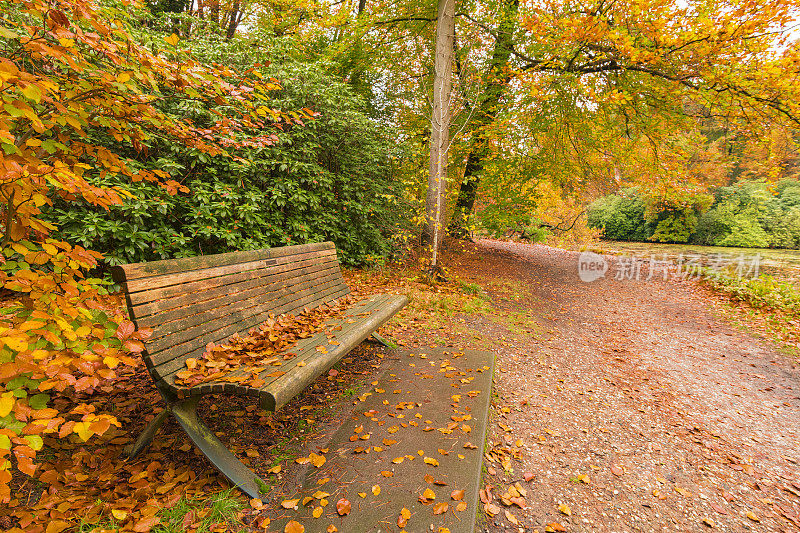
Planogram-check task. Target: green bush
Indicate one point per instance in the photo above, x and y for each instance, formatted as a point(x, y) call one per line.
point(749, 214)
point(620, 217)
point(330, 179)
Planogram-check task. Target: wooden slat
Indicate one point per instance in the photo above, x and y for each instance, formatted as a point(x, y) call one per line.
point(156, 313)
point(196, 346)
point(292, 383)
point(210, 316)
point(164, 369)
point(170, 266)
point(282, 265)
point(180, 278)
point(307, 347)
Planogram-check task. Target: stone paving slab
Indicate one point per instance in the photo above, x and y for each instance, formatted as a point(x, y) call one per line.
point(405, 436)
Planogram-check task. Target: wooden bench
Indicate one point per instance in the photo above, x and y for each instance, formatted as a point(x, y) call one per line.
point(193, 301)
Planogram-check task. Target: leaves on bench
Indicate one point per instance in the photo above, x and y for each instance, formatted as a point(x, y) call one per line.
point(245, 360)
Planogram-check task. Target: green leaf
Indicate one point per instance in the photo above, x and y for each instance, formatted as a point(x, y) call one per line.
point(39, 401)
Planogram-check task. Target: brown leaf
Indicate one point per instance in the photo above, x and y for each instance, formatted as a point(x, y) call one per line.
point(457, 495)
point(617, 470)
point(440, 508)
point(527, 476)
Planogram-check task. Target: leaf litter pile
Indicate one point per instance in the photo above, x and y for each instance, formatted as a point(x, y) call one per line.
point(263, 347)
point(93, 486)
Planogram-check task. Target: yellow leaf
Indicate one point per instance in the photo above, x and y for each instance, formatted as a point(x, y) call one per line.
point(172, 39)
point(428, 494)
point(124, 77)
point(18, 344)
point(119, 514)
point(110, 362)
point(431, 461)
point(317, 460)
point(376, 490)
point(82, 430)
point(752, 516)
point(317, 512)
point(564, 508)
point(6, 404)
point(32, 92)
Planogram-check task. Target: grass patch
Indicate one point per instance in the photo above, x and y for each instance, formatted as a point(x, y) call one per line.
point(764, 292)
point(221, 509)
point(471, 288)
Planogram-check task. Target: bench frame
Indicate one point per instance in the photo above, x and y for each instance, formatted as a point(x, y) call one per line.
point(358, 323)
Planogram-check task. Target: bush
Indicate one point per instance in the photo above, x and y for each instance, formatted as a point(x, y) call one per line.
point(329, 179)
point(620, 217)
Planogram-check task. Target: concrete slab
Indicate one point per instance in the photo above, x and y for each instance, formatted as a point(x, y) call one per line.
point(421, 427)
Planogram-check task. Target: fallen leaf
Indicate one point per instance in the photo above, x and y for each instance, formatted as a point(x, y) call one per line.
point(290, 504)
point(441, 508)
point(527, 476)
point(617, 470)
point(457, 495)
point(317, 512)
point(752, 516)
point(511, 518)
point(343, 507)
point(376, 490)
point(564, 508)
point(294, 527)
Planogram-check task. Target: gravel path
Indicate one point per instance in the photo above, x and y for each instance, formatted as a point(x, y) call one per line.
point(677, 421)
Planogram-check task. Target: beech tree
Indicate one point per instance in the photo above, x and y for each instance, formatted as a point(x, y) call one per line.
point(79, 100)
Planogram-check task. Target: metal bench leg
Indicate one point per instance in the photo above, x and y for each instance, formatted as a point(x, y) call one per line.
point(383, 340)
point(222, 458)
point(146, 437)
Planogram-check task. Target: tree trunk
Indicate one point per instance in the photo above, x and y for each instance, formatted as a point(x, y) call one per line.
point(440, 128)
point(495, 86)
point(235, 19)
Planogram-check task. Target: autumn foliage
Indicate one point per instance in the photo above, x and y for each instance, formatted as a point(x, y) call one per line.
point(80, 99)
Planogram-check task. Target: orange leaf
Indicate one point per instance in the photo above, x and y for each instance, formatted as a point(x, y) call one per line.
point(343, 507)
point(294, 527)
point(125, 330)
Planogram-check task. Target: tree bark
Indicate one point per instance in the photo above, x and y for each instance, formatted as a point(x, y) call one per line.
point(497, 78)
point(440, 128)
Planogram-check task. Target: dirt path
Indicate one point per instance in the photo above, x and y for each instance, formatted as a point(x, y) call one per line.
point(679, 421)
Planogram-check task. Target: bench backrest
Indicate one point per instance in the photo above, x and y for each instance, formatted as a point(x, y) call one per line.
point(192, 301)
